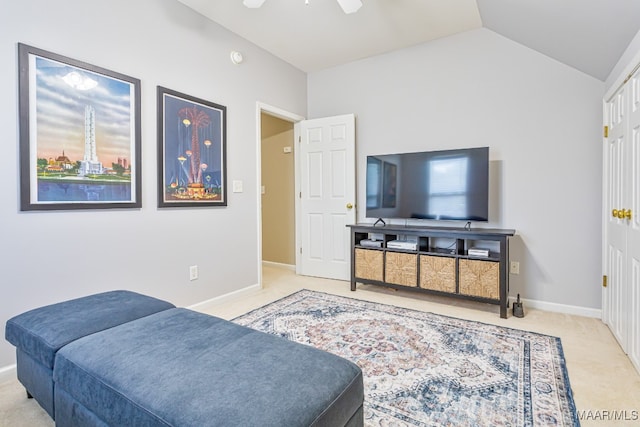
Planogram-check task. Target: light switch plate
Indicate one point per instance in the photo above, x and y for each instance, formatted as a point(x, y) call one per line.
point(237, 186)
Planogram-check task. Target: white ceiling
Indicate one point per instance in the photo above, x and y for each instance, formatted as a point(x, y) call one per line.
point(589, 35)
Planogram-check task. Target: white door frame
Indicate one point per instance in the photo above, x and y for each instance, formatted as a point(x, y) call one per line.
point(290, 117)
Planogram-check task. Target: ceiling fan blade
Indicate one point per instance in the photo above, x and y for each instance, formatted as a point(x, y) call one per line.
point(253, 4)
point(349, 6)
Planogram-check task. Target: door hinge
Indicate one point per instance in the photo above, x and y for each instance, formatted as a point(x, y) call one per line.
point(299, 138)
point(300, 250)
point(300, 195)
point(606, 131)
point(604, 281)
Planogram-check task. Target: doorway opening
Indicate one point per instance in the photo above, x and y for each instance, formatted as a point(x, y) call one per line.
point(277, 184)
point(325, 206)
point(278, 191)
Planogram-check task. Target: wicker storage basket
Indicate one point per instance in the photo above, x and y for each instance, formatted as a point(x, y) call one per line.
point(369, 264)
point(438, 273)
point(480, 278)
point(401, 269)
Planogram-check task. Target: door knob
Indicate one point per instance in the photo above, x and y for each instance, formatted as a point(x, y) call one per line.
point(614, 213)
point(626, 213)
point(349, 206)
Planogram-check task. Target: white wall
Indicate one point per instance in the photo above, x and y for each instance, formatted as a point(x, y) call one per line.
point(51, 256)
point(541, 119)
point(629, 59)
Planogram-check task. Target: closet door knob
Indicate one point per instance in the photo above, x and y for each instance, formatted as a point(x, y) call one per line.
point(614, 213)
point(349, 206)
point(626, 213)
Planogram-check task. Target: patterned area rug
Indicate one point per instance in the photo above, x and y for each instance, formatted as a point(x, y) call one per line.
point(423, 369)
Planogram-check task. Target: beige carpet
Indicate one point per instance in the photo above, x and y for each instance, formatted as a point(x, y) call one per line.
point(602, 377)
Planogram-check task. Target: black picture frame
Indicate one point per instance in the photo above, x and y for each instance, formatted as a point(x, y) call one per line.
point(192, 151)
point(80, 134)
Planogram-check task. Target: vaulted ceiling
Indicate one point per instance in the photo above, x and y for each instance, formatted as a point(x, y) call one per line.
point(589, 35)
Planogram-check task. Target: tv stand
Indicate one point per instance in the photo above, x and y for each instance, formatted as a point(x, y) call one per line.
point(441, 264)
point(380, 220)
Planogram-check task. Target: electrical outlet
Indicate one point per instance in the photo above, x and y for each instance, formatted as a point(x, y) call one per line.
point(193, 272)
point(514, 267)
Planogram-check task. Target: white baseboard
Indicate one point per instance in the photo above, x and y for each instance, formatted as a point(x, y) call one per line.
point(205, 305)
point(279, 265)
point(558, 308)
point(8, 373)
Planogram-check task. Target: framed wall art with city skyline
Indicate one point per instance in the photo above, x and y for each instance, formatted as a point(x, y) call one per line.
point(191, 151)
point(80, 137)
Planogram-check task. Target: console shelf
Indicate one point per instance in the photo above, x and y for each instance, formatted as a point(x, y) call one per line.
point(434, 260)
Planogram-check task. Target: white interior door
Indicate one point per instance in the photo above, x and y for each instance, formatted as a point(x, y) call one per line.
point(614, 312)
point(327, 194)
point(621, 298)
point(633, 232)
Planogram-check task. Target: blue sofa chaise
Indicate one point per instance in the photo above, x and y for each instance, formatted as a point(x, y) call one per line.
point(177, 367)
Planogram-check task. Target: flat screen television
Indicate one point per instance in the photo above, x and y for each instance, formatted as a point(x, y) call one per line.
point(434, 185)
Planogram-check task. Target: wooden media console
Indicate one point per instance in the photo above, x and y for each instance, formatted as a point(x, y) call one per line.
point(434, 260)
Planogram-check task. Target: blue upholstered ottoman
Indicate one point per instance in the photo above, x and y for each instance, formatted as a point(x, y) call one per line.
point(182, 368)
point(40, 333)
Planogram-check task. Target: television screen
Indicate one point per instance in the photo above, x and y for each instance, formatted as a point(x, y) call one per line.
point(439, 185)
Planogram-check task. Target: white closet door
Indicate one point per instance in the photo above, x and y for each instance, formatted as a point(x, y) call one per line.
point(621, 298)
point(633, 233)
point(614, 295)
